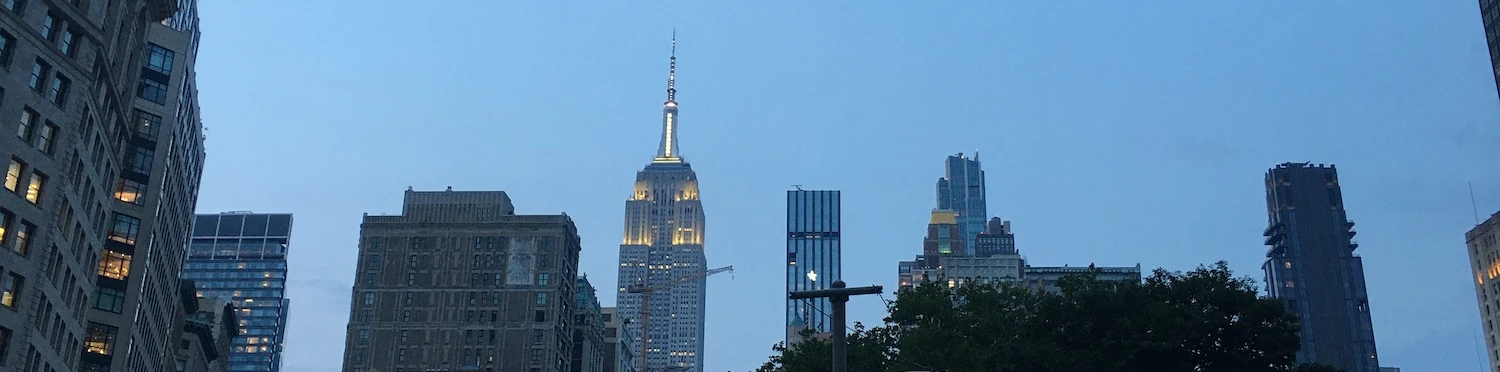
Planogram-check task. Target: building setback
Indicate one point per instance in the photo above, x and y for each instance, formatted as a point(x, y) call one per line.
point(812, 255)
point(458, 280)
point(961, 190)
point(207, 334)
point(1484, 255)
point(619, 352)
point(663, 243)
point(1311, 266)
point(240, 257)
point(1045, 278)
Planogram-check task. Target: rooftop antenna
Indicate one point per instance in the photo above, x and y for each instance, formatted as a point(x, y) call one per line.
point(799, 187)
point(1472, 204)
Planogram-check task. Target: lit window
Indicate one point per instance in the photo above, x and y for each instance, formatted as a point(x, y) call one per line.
point(11, 295)
point(130, 191)
point(147, 125)
point(1289, 284)
point(100, 339)
point(1288, 264)
point(34, 188)
point(5, 217)
point(114, 265)
point(13, 175)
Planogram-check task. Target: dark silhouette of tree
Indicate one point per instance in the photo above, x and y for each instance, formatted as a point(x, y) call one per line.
point(1202, 320)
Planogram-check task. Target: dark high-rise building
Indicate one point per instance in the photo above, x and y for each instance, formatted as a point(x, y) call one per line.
point(662, 245)
point(996, 239)
point(588, 329)
point(458, 281)
point(240, 257)
point(943, 240)
point(812, 255)
point(961, 190)
point(1489, 11)
point(1311, 266)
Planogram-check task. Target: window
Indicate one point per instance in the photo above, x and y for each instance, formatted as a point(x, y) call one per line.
point(49, 24)
point(376, 244)
point(114, 265)
point(125, 229)
point(360, 355)
point(39, 72)
point(407, 298)
point(543, 279)
point(28, 121)
point(130, 191)
point(110, 299)
point(4, 343)
point(7, 47)
point(47, 141)
point(1289, 284)
point(34, 188)
point(147, 125)
point(11, 287)
point(541, 298)
point(366, 316)
point(403, 335)
point(100, 339)
point(5, 218)
point(541, 315)
point(158, 59)
point(411, 261)
point(374, 260)
point(364, 336)
point(59, 92)
point(369, 298)
point(153, 91)
point(141, 159)
point(12, 5)
point(23, 238)
point(13, 174)
point(65, 43)
point(1288, 264)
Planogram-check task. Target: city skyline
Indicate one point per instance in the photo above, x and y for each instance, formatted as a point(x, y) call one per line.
point(1151, 156)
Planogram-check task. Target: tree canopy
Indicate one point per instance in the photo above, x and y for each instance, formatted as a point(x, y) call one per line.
point(1202, 320)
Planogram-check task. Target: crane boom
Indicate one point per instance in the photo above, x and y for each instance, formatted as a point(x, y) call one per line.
point(646, 293)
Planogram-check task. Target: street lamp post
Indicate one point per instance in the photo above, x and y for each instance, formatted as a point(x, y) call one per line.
point(838, 296)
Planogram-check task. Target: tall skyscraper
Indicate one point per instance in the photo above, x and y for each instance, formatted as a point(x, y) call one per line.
point(961, 190)
point(1484, 255)
point(812, 255)
point(458, 281)
point(1311, 266)
point(662, 245)
point(101, 178)
point(1489, 12)
point(240, 257)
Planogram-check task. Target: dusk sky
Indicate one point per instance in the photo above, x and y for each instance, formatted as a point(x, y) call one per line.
point(1111, 132)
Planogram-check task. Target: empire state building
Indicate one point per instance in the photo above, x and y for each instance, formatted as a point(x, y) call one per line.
point(663, 248)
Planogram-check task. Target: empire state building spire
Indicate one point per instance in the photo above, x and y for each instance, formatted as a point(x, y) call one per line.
point(667, 152)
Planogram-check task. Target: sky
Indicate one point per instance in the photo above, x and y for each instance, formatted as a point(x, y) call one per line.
point(1112, 132)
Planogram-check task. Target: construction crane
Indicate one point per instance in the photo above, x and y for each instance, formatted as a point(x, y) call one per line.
point(646, 293)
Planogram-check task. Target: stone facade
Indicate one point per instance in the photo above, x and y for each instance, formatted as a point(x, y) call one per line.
point(458, 281)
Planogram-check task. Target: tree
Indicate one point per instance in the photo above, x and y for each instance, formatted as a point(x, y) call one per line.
point(869, 350)
point(1203, 320)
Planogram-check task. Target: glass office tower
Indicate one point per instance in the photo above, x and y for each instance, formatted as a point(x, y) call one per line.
point(241, 256)
point(812, 256)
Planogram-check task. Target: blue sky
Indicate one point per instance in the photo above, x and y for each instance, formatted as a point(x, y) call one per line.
point(1112, 132)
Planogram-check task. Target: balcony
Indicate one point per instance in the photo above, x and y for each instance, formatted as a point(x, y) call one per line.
point(1271, 229)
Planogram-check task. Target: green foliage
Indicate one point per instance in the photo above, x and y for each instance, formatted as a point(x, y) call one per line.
point(1203, 320)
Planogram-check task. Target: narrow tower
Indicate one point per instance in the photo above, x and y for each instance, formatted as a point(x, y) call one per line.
point(663, 245)
point(1312, 268)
